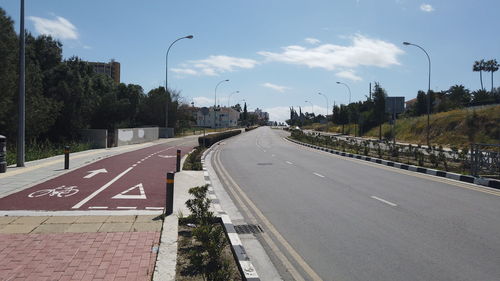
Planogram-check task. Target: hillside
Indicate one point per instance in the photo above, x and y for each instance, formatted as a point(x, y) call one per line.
point(453, 128)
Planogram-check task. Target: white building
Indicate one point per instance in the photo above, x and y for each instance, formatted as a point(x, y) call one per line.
point(224, 117)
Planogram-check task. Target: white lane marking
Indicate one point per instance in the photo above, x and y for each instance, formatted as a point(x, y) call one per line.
point(94, 172)
point(102, 188)
point(96, 207)
point(288, 162)
point(124, 195)
point(134, 165)
point(319, 175)
point(127, 208)
point(384, 201)
point(154, 208)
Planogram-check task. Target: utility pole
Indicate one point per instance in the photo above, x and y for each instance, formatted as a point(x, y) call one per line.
point(22, 94)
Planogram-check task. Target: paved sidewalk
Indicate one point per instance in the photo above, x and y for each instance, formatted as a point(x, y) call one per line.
point(78, 248)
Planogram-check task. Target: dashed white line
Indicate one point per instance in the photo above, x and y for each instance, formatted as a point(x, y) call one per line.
point(288, 162)
point(319, 175)
point(127, 208)
point(384, 201)
point(97, 207)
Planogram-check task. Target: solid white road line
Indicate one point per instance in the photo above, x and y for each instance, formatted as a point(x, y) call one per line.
point(154, 208)
point(384, 201)
point(101, 189)
point(288, 162)
point(319, 175)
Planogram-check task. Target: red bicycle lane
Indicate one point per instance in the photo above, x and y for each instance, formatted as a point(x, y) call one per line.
point(97, 181)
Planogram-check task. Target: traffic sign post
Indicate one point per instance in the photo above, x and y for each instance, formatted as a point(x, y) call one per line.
point(394, 105)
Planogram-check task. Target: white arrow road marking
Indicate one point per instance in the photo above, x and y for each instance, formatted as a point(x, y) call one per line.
point(101, 189)
point(123, 195)
point(94, 172)
point(167, 156)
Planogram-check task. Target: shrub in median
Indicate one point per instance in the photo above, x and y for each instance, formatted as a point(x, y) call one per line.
point(247, 129)
point(208, 140)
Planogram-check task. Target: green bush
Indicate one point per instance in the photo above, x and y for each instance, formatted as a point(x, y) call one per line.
point(208, 140)
point(193, 161)
point(247, 129)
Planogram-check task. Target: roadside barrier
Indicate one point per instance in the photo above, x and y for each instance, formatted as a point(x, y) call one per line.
point(66, 157)
point(169, 203)
point(178, 163)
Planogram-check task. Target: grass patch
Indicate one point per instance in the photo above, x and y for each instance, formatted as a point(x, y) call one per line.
point(40, 150)
point(193, 161)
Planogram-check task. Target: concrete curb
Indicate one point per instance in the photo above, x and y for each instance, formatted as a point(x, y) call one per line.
point(245, 265)
point(469, 179)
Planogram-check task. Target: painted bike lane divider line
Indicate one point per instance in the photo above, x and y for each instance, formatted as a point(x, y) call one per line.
point(101, 189)
point(384, 201)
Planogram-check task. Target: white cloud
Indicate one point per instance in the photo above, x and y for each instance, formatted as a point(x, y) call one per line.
point(364, 51)
point(349, 74)
point(203, 101)
point(312, 41)
point(87, 47)
point(214, 65)
point(426, 8)
point(59, 28)
point(275, 87)
point(278, 113)
point(184, 71)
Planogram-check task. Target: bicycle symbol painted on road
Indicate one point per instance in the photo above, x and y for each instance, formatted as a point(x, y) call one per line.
point(61, 191)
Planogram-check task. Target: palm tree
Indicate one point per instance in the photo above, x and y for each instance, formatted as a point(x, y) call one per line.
point(479, 66)
point(492, 66)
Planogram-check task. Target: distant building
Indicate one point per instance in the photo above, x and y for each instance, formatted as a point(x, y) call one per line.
point(224, 117)
point(112, 69)
point(262, 116)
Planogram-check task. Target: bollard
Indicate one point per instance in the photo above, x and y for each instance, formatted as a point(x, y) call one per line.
point(178, 166)
point(66, 157)
point(169, 203)
point(3, 154)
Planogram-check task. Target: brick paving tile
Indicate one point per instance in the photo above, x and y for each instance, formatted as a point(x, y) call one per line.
point(77, 256)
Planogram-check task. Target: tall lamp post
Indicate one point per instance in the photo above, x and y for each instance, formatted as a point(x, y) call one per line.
point(348, 115)
point(428, 89)
point(327, 106)
point(215, 101)
point(229, 98)
point(21, 124)
point(166, 75)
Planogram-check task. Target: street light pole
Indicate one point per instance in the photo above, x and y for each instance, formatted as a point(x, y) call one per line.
point(327, 106)
point(312, 106)
point(215, 101)
point(348, 115)
point(22, 94)
point(428, 89)
point(229, 98)
point(166, 75)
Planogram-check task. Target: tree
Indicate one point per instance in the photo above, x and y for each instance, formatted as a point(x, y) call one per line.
point(492, 66)
point(479, 66)
point(379, 96)
point(458, 96)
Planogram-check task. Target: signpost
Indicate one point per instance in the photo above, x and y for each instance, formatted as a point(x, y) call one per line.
point(394, 105)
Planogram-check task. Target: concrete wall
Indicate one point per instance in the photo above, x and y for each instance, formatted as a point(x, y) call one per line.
point(136, 135)
point(97, 137)
point(166, 133)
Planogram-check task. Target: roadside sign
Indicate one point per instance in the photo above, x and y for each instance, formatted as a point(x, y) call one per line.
point(394, 105)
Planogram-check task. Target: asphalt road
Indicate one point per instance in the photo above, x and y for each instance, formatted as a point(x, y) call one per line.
point(130, 181)
point(352, 220)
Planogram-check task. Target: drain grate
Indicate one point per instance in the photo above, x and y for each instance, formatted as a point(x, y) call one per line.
point(248, 228)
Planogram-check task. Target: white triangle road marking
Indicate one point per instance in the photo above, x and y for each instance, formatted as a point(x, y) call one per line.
point(123, 194)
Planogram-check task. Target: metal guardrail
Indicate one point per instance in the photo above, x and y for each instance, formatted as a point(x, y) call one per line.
point(485, 159)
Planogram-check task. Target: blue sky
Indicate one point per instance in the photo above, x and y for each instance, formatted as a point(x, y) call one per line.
point(276, 53)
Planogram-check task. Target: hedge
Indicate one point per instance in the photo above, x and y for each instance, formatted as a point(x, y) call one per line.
point(250, 128)
point(208, 140)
